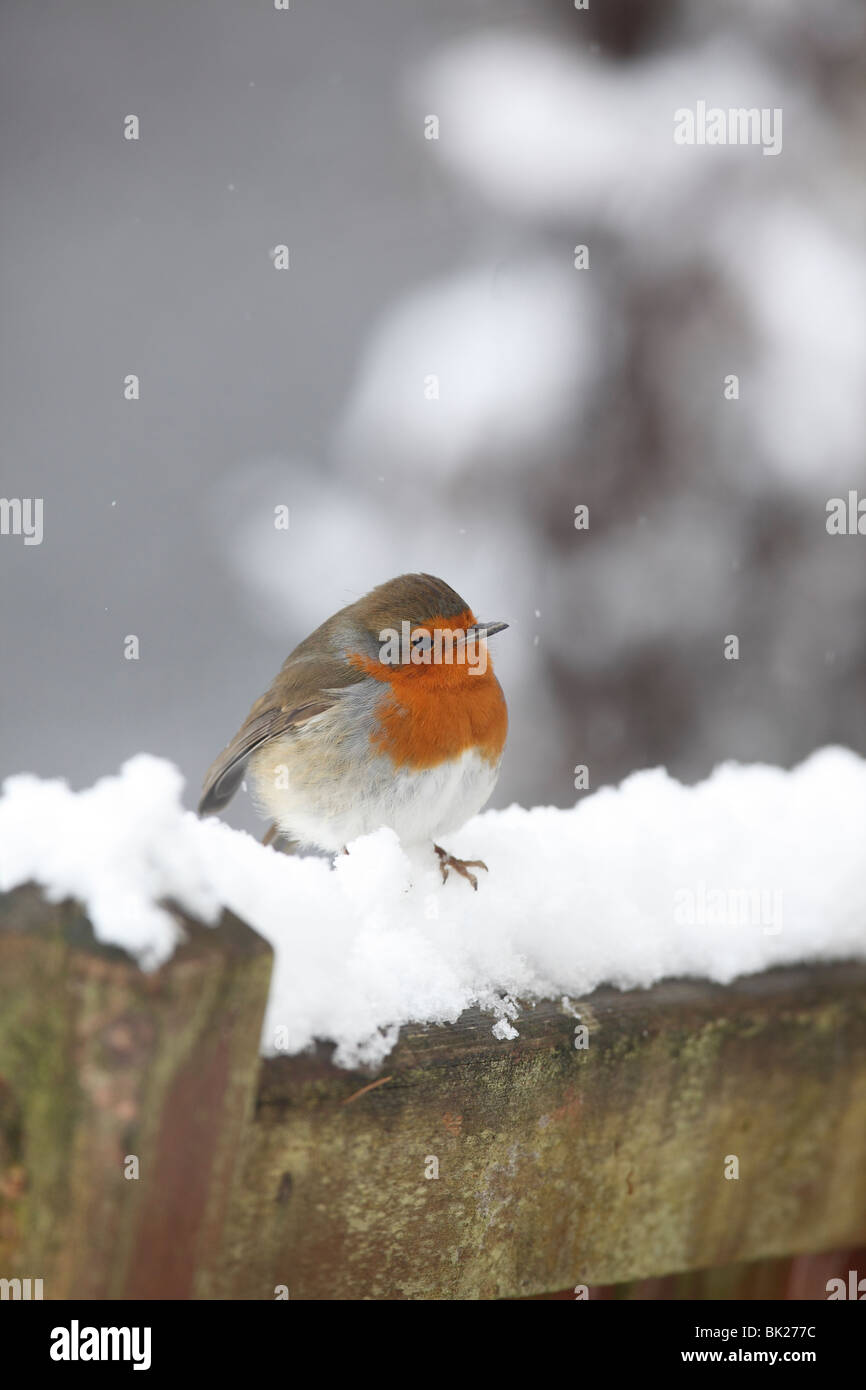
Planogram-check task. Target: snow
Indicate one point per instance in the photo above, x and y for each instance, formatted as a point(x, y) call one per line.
point(806, 282)
point(755, 867)
point(539, 128)
point(512, 355)
point(585, 143)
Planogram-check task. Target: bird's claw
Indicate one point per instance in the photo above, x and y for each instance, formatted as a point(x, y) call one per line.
point(460, 866)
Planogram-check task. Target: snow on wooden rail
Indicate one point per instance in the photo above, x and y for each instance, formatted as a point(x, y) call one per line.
point(753, 868)
point(146, 1150)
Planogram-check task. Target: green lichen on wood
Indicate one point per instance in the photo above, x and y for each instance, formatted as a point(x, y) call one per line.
point(97, 1053)
point(559, 1167)
point(556, 1166)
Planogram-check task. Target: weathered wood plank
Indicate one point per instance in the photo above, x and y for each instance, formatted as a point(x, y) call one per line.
point(99, 1061)
point(556, 1166)
point(798, 1278)
point(559, 1166)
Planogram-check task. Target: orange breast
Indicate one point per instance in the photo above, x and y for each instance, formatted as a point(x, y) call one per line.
point(432, 714)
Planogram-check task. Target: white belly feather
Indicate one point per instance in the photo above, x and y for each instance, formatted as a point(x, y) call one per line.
point(359, 796)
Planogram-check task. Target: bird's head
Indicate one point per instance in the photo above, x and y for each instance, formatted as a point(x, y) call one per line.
point(417, 628)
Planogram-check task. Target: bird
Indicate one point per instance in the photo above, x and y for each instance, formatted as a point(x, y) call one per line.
point(389, 714)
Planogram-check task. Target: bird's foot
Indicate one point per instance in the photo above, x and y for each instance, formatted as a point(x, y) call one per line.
point(283, 844)
point(460, 866)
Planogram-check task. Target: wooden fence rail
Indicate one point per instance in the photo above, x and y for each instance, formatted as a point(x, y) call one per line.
point(147, 1152)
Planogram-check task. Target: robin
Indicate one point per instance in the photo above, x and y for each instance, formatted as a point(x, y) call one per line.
point(389, 714)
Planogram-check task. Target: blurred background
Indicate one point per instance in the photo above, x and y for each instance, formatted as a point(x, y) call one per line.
point(414, 258)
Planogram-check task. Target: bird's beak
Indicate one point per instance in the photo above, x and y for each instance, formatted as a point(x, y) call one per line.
point(485, 629)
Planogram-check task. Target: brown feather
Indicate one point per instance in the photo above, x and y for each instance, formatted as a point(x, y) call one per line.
point(317, 667)
point(226, 774)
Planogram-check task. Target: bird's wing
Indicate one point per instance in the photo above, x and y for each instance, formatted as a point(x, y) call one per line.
point(224, 776)
point(308, 684)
